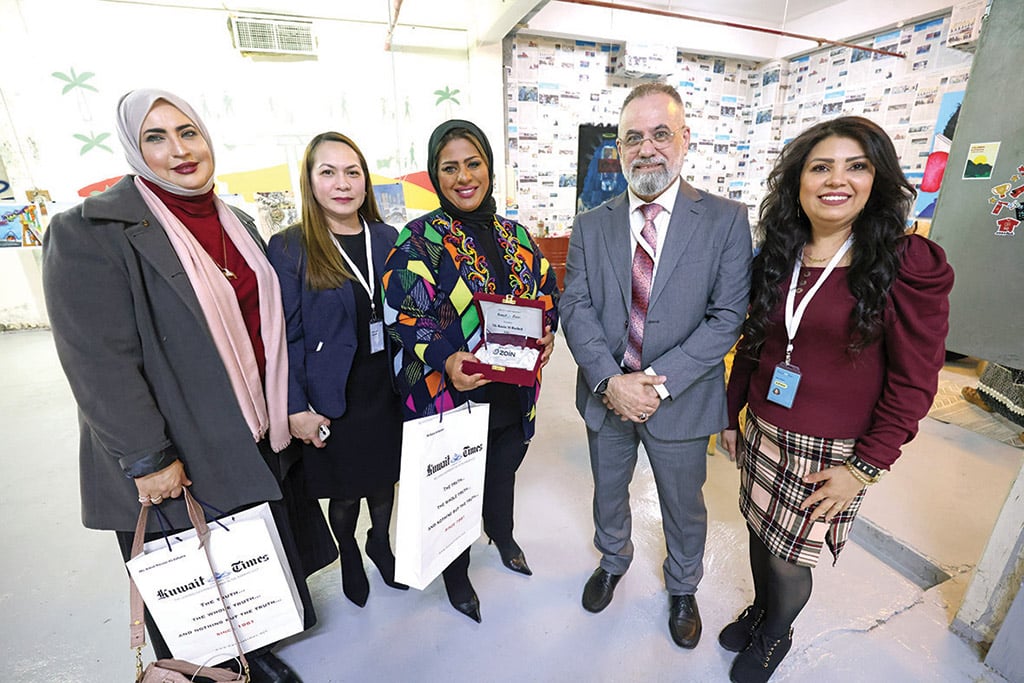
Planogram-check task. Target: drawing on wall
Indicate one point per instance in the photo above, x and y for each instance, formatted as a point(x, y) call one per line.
point(19, 225)
point(981, 159)
point(447, 97)
point(1006, 197)
point(74, 80)
point(92, 141)
point(391, 202)
point(935, 167)
point(599, 172)
point(276, 211)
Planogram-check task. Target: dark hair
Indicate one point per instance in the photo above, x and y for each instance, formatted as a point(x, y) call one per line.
point(325, 269)
point(877, 232)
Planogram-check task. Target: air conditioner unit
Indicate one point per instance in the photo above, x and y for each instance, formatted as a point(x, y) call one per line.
point(273, 36)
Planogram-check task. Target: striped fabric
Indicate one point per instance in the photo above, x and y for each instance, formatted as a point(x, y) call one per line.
point(772, 489)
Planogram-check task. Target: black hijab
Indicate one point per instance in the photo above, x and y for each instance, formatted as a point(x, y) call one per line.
point(483, 215)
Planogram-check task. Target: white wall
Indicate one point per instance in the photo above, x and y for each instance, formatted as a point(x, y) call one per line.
point(261, 110)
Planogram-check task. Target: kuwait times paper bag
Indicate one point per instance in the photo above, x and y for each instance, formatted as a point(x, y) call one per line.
point(440, 491)
point(262, 600)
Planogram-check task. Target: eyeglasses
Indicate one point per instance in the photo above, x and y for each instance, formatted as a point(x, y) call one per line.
point(660, 139)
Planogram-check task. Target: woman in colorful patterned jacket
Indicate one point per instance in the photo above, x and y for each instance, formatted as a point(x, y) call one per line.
point(440, 260)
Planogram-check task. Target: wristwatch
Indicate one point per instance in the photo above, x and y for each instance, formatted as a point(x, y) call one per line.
point(602, 387)
point(865, 472)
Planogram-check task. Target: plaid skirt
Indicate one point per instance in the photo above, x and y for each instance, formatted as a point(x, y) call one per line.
point(775, 462)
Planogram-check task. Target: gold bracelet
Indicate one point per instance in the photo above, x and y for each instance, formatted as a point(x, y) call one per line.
point(858, 475)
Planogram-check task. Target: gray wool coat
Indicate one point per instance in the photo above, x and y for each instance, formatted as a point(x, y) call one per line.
point(142, 365)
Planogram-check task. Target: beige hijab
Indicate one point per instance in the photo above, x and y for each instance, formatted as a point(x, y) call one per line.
point(265, 411)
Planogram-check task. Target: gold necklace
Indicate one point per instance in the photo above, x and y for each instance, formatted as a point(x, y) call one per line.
point(809, 259)
point(224, 250)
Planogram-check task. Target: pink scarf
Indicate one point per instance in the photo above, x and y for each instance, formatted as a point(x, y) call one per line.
point(220, 308)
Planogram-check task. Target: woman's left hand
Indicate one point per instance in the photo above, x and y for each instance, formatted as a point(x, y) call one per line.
point(548, 342)
point(835, 495)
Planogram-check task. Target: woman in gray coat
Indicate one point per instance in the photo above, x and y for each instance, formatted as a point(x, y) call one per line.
point(167, 320)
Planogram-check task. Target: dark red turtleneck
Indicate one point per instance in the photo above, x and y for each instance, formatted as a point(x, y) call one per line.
point(199, 215)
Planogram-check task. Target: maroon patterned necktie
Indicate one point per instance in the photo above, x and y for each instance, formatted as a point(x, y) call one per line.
point(643, 275)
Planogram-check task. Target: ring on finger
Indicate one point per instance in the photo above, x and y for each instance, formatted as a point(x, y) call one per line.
point(643, 416)
point(145, 499)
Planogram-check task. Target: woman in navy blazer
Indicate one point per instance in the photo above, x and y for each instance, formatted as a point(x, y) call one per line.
point(340, 401)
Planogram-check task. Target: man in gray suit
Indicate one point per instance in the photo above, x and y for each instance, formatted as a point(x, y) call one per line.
point(657, 287)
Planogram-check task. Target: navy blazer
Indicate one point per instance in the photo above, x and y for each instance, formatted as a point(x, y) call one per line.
point(321, 324)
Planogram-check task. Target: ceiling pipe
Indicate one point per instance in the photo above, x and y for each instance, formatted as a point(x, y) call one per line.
point(392, 23)
point(730, 24)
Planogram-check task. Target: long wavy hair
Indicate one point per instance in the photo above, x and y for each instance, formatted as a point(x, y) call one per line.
point(878, 232)
point(325, 269)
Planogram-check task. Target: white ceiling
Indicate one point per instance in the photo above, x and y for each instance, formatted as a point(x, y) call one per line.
point(484, 17)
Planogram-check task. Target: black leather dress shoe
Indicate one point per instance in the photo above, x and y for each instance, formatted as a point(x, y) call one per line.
point(599, 590)
point(684, 620)
point(268, 668)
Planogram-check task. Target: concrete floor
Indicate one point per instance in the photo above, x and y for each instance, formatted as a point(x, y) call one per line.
point(64, 596)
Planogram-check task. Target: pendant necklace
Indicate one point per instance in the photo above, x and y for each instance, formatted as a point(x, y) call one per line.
point(224, 250)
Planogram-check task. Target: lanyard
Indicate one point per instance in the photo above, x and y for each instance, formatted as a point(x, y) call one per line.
point(369, 267)
point(793, 318)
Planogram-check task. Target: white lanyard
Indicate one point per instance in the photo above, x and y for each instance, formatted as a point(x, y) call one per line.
point(793, 318)
point(369, 267)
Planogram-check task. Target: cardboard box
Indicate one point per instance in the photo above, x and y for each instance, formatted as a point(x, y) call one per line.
point(507, 321)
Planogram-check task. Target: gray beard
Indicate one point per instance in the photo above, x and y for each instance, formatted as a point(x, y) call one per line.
point(649, 183)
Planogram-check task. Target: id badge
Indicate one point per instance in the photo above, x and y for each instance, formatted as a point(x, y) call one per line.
point(785, 381)
point(376, 336)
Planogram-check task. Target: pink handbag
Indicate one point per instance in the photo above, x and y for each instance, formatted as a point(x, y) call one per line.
point(175, 670)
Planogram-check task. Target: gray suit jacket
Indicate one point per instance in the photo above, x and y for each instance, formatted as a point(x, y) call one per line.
point(698, 302)
point(141, 363)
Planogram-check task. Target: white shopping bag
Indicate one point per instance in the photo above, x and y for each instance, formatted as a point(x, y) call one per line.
point(252, 570)
point(440, 492)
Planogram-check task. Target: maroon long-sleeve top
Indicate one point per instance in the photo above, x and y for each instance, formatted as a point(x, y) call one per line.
point(877, 396)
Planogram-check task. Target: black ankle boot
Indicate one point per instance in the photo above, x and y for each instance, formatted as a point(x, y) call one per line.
point(354, 583)
point(759, 661)
point(378, 548)
point(736, 636)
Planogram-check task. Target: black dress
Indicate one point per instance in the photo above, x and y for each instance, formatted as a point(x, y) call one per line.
point(364, 450)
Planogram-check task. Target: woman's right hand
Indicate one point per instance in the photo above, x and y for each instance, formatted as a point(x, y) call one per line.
point(729, 438)
point(459, 379)
point(305, 426)
point(162, 484)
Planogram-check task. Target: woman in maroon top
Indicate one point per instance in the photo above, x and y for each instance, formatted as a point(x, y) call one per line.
point(838, 362)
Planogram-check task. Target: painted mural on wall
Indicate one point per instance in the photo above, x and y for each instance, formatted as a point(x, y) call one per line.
point(74, 83)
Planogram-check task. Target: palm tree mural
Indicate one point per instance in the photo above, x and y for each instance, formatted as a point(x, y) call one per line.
point(91, 141)
point(75, 80)
point(447, 96)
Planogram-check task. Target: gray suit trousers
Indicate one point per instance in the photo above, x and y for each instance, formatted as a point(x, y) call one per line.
point(680, 469)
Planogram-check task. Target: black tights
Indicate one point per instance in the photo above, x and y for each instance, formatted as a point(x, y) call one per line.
point(344, 514)
point(781, 588)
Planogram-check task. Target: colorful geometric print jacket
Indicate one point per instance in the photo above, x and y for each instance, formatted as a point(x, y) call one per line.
point(429, 281)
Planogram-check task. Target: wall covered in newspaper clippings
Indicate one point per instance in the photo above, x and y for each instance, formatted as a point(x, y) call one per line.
point(740, 113)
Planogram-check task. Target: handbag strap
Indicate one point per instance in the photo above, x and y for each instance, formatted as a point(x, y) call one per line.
point(138, 631)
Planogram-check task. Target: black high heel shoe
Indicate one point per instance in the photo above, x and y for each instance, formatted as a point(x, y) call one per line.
point(463, 598)
point(379, 551)
point(512, 557)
